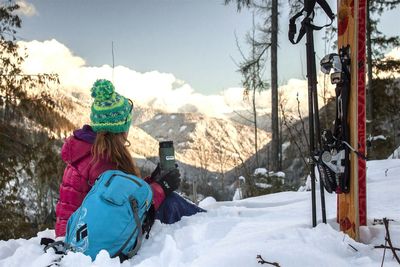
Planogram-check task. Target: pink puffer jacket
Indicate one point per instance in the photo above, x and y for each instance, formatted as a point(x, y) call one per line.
point(79, 176)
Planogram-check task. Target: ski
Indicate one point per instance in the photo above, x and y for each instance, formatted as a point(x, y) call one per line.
point(351, 33)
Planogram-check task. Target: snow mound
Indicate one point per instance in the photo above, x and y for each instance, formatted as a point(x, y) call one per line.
point(208, 201)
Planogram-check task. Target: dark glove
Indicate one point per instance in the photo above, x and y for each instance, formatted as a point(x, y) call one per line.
point(168, 180)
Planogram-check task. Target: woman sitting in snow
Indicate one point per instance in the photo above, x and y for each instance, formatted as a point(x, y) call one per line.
point(102, 146)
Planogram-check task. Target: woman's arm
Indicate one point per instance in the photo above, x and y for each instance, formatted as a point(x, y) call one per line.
point(158, 192)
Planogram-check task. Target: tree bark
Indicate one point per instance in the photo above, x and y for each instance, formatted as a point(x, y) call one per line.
point(274, 87)
point(255, 127)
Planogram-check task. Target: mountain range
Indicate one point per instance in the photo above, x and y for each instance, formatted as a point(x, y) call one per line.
point(205, 147)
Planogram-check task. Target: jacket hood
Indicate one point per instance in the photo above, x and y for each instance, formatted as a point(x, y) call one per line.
point(78, 146)
point(86, 134)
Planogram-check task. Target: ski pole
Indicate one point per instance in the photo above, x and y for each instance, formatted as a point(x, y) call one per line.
point(310, 56)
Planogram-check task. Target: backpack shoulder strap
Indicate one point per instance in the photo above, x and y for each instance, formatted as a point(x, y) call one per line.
point(140, 234)
point(138, 243)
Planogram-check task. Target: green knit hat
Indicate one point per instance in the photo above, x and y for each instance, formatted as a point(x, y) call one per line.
point(111, 112)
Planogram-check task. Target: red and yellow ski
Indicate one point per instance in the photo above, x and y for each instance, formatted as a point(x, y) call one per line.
point(351, 32)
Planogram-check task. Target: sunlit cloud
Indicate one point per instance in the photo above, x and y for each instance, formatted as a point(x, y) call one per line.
point(26, 9)
point(394, 54)
point(154, 89)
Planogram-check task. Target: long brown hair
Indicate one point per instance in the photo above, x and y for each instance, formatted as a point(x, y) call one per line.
point(112, 147)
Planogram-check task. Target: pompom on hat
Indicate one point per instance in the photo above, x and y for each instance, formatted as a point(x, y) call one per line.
point(110, 112)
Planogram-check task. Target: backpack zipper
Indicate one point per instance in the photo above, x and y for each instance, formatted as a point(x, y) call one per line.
point(124, 176)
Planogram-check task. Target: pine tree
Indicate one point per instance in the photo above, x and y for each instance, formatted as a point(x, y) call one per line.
point(252, 70)
point(377, 43)
point(29, 162)
point(267, 41)
point(14, 83)
point(381, 89)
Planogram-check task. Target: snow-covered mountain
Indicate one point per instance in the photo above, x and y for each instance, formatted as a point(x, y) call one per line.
point(232, 233)
point(214, 144)
point(202, 144)
point(247, 118)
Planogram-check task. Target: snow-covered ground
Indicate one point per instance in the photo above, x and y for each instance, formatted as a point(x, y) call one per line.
point(275, 226)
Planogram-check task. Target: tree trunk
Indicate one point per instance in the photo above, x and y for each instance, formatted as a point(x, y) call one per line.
point(255, 125)
point(274, 87)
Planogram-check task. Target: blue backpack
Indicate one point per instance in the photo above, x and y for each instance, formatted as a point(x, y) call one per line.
point(111, 216)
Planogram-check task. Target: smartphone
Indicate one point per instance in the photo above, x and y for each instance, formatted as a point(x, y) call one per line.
point(167, 155)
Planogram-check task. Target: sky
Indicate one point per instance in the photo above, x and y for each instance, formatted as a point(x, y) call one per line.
point(194, 40)
point(167, 53)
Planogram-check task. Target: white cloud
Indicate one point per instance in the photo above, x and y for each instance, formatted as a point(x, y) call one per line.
point(155, 89)
point(27, 9)
point(394, 53)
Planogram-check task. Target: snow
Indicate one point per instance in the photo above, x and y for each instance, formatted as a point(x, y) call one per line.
point(263, 185)
point(208, 201)
point(284, 147)
point(158, 117)
point(173, 117)
point(378, 137)
point(233, 233)
point(395, 154)
point(261, 171)
point(183, 127)
point(238, 194)
point(181, 144)
point(265, 172)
